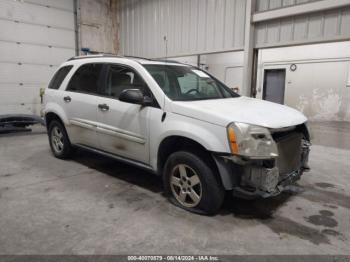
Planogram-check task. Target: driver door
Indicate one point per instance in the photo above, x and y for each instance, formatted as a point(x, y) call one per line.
point(123, 128)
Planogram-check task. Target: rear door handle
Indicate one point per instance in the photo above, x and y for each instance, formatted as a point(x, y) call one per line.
point(67, 99)
point(103, 107)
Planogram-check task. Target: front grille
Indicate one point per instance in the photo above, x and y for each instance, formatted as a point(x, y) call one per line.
point(289, 151)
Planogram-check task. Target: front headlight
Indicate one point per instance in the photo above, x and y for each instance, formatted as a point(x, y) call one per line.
point(251, 141)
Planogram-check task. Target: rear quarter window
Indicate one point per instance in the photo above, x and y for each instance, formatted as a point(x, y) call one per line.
point(58, 78)
point(86, 79)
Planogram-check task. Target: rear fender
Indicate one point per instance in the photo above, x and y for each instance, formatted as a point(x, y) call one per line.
point(56, 109)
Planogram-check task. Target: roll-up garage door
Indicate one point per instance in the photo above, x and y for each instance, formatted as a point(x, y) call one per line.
point(36, 36)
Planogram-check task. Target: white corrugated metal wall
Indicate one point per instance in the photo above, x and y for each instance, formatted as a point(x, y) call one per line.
point(36, 36)
point(264, 5)
point(318, 87)
point(191, 27)
point(207, 26)
point(331, 25)
point(211, 27)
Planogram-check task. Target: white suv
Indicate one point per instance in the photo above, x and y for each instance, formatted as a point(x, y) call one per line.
point(179, 122)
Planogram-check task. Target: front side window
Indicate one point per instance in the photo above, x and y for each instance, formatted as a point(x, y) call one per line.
point(58, 78)
point(184, 83)
point(120, 78)
point(86, 79)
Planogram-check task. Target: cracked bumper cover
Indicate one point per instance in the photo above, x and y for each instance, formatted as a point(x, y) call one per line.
point(260, 191)
point(251, 178)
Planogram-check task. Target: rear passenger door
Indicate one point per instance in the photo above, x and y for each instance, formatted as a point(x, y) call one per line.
point(80, 104)
point(123, 128)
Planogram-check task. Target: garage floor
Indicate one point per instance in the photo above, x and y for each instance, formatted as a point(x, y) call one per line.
point(95, 205)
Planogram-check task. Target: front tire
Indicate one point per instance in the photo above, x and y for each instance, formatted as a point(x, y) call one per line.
point(59, 141)
point(191, 184)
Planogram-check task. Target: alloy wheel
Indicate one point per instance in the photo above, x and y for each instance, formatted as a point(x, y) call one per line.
point(186, 185)
point(57, 139)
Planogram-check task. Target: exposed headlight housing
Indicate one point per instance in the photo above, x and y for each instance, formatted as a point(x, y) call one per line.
point(251, 141)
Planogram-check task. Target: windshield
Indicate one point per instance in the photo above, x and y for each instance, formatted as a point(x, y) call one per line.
point(184, 83)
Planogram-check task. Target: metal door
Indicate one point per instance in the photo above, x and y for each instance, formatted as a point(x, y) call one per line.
point(36, 37)
point(274, 85)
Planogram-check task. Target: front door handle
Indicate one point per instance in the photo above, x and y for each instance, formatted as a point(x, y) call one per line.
point(67, 99)
point(103, 107)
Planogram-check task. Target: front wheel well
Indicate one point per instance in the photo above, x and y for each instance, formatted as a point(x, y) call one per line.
point(173, 144)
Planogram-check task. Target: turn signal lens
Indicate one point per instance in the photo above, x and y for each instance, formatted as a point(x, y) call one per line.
point(232, 140)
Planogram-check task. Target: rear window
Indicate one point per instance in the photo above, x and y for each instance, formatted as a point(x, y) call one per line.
point(58, 78)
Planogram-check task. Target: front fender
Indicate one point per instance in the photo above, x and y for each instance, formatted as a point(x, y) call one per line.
point(211, 137)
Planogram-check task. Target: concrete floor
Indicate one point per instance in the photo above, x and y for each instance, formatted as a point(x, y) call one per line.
point(95, 205)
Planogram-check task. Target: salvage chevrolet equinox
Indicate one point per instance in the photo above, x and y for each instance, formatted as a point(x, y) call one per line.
point(178, 122)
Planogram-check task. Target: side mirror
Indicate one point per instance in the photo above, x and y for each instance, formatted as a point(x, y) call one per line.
point(135, 96)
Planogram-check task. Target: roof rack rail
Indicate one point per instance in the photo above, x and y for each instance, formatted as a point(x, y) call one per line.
point(167, 60)
point(119, 56)
point(138, 57)
point(154, 60)
point(93, 56)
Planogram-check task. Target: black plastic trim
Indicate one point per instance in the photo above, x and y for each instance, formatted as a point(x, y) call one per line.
point(117, 157)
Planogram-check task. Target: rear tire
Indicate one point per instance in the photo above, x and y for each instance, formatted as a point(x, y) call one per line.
point(59, 141)
point(191, 184)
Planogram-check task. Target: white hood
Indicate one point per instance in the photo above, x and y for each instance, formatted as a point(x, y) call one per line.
point(240, 109)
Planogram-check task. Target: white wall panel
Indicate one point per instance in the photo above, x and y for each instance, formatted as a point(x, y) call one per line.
point(194, 14)
point(23, 53)
point(16, 94)
point(318, 86)
point(20, 98)
point(25, 73)
point(24, 12)
point(35, 37)
point(264, 5)
point(234, 78)
point(28, 33)
point(226, 67)
point(332, 25)
point(345, 22)
point(300, 29)
point(239, 23)
point(62, 4)
point(202, 26)
point(190, 60)
point(315, 26)
point(190, 26)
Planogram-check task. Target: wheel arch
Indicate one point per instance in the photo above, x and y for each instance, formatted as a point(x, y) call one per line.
point(175, 143)
point(50, 116)
point(67, 148)
point(54, 111)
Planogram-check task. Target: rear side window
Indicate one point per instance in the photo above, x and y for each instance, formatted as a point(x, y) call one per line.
point(86, 79)
point(58, 78)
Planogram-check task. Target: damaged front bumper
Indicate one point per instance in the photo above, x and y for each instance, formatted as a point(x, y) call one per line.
point(253, 178)
point(251, 192)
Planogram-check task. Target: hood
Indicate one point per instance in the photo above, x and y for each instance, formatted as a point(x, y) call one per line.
point(240, 109)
